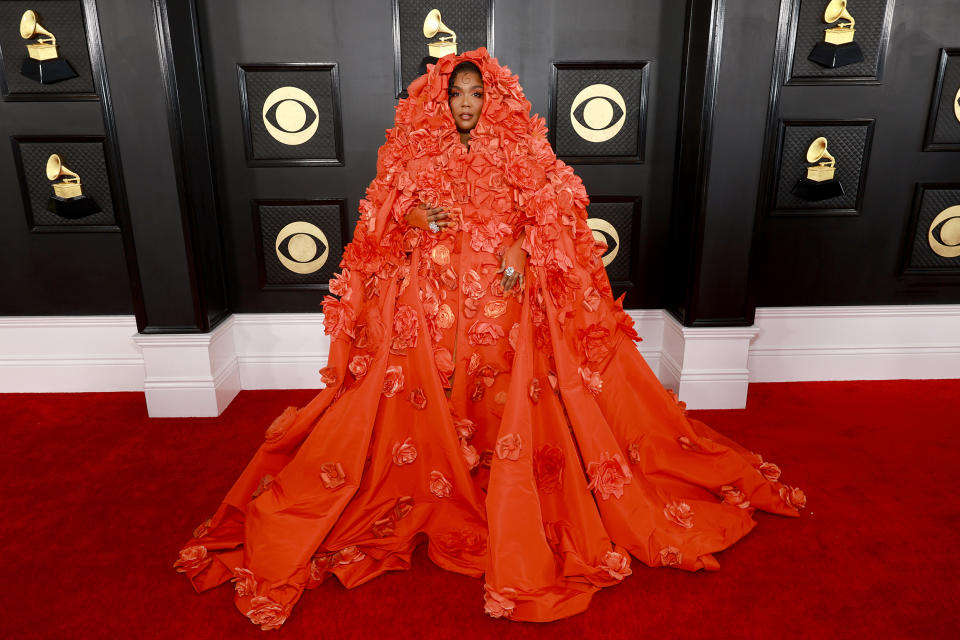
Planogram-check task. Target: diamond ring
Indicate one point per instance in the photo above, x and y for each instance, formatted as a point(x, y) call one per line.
point(509, 271)
point(434, 227)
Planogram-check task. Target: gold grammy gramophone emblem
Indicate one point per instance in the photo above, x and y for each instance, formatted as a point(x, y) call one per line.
point(444, 45)
point(825, 165)
point(943, 235)
point(820, 182)
point(838, 48)
point(68, 200)
point(30, 28)
point(43, 63)
point(70, 186)
point(843, 32)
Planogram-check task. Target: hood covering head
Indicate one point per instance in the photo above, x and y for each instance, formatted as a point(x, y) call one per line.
point(510, 175)
point(425, 116)
point(507, 146)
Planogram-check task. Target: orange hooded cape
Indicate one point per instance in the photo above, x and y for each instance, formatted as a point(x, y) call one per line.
point(520, 432)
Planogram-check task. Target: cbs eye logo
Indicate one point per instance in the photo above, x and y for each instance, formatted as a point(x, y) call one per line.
point(290, 115)
point(944, 233)
point(598, 112)
point(302, 247)
point(604, 232)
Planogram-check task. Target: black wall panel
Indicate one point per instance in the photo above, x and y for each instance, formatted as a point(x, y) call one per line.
point(64, 19)
point(803, 260)
point(51, 272)
point(529, 36)
point(710, 244)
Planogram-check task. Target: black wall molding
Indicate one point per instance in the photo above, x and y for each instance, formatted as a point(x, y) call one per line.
point(189, 124)
point(935, 101)
point(112, 152)
point(698, 90)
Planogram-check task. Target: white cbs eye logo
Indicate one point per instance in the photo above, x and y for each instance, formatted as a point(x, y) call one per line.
point(944, 233)
point(604, 232)
point(598, 113)
point(302, 247)
point(290, 115)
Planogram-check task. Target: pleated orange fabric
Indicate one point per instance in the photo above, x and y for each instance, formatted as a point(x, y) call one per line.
point(521, 432)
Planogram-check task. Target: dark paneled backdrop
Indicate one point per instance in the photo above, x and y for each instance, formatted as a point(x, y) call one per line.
point(529, 35)
point(59, 273)
point(703, 244)
point(856, 260)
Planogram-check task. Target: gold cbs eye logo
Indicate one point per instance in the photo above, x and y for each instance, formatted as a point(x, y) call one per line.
point(290, 115)
point(604, 232)
point(944, 233)
point(598, 112)
point(302, 247)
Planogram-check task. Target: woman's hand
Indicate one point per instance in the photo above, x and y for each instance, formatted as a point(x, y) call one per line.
point(514, 257)
point(423, 215)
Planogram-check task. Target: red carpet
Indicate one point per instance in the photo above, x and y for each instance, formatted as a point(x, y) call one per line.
point(98, 498)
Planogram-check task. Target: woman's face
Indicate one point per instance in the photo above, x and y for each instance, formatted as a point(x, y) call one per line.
point(466, 100)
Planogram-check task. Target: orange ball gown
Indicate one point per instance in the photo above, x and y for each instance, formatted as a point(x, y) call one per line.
point(520, 433)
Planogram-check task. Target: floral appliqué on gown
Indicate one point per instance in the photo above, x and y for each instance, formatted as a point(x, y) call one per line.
point(520, 432)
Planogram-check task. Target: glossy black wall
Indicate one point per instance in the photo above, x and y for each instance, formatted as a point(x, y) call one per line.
point(856, 260)
point(709, 250)
point(53, 272)
point(529, 35)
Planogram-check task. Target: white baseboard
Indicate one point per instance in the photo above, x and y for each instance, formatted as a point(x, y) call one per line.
point(199, 374)
point(856, 343)
point(707, 366)
point(53, 354)
point(190, 375)
point(280, 350)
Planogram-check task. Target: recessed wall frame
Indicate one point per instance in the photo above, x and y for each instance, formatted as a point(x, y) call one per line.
point(805, 28)
point(943, 122)
point(935, 206)
point(598, 111)
point(617, 220)
point(471, 21)
point(277, 221)
point(99, 181)
point(291, 114)
point(78, 50)
point(852, 139)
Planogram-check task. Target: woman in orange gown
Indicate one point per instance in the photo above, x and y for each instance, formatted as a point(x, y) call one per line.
point(482, 392)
